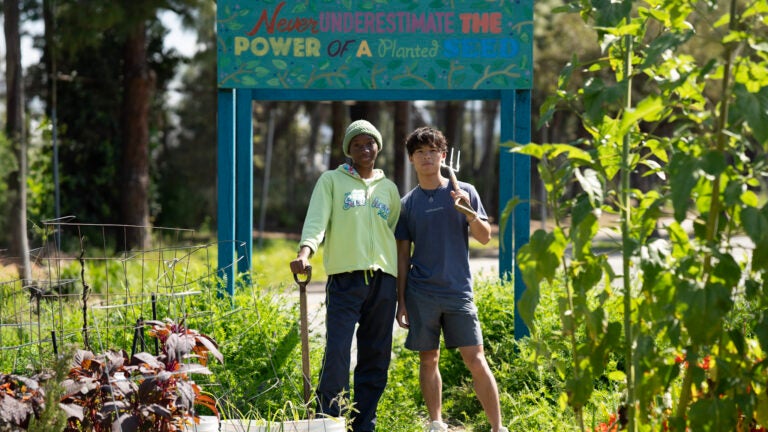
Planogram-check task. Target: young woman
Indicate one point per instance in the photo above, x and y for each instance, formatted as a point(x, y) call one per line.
point(355, 209)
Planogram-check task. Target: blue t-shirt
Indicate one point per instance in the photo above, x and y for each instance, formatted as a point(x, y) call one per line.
point(440, 237)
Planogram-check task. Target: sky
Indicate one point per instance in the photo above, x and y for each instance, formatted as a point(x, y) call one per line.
point(29, 55)
point(183, 41)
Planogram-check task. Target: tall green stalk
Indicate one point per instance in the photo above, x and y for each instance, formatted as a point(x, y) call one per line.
point(570, 329)
point(625, 240)
point(715, 206)
point(577, 409)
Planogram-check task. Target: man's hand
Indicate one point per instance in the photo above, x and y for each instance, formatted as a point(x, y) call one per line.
point(402, 316)
point(461, 203)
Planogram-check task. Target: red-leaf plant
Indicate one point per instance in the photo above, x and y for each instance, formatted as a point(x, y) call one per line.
point(144, 393)
point(21, 398)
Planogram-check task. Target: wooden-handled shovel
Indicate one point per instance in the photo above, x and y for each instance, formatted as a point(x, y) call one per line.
point(304, 327)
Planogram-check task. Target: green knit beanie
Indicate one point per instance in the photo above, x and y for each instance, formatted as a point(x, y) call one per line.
point(360, 127)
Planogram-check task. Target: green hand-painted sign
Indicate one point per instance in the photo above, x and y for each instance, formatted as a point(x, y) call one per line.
point(375, 44)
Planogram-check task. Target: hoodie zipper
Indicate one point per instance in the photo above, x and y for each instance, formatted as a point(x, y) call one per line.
point(369, 187)
point(371, 215)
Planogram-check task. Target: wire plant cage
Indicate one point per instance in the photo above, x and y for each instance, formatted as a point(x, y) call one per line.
point(90, 292)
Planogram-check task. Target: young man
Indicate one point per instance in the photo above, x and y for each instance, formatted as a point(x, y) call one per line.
point(355, 209)
point(434, 283)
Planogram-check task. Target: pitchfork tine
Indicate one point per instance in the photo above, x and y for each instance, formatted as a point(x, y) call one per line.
point(460, 203)
point(458, 159)
point(451, 164)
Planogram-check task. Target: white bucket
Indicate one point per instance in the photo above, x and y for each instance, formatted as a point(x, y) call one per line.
point(207, 424)
point(329, 424)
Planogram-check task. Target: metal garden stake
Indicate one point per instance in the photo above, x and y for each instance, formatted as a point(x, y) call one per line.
point(304, 326)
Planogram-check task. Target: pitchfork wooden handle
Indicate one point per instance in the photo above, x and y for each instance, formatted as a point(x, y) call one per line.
point(454, 181)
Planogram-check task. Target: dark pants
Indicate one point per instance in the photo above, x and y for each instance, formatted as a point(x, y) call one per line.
point(370, 299)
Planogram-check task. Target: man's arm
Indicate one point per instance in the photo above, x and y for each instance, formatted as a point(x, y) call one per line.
point(480, 230)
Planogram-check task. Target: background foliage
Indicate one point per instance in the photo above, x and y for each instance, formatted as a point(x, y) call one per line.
point(658, 116)
point(257, 334)
point(182, 124)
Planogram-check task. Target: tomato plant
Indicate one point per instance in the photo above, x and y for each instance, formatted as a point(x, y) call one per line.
point(699, 124)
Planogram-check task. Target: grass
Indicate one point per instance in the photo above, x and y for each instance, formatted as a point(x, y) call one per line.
point(270, 263)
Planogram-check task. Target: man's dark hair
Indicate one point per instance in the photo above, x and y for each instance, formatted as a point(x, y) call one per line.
point(426, 136)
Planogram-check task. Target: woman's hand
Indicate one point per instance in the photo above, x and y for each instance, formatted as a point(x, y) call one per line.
point(300, 264)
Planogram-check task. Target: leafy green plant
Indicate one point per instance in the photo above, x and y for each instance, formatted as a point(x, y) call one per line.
point(21, 400)
point(259, 338)
point(52, 417)
point(401, 406)
point(262, 380)
point(145, 392)
point(700, 126)
point(257, 335)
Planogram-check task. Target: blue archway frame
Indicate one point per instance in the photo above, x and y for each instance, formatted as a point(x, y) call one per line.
point(235, 170)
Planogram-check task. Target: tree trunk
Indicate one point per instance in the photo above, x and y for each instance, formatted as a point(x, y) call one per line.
point(15, 130)
point(402, 129)
point(139, 83)
point(316, 118)
point(339, 125)
point(454, 125)
point(489, 165)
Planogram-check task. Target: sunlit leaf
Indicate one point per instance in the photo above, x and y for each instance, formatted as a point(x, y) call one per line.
point(647, 110)
point(590, 183)
point(667, 41)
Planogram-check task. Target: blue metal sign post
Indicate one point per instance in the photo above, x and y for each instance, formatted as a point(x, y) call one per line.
point(369, 50)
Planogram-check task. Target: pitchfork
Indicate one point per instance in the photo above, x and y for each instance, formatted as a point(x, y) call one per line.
point(460, 204)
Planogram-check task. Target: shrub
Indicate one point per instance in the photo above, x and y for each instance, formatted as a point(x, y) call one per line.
point(21, 399)
point(259, 337)
point(110, 391)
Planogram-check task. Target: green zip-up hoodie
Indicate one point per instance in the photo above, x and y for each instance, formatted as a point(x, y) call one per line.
point(357, 219)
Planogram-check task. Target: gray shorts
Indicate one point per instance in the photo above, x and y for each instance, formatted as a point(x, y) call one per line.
point(429, 314)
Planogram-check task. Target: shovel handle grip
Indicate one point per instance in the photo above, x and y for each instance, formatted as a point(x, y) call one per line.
point(307, 272)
